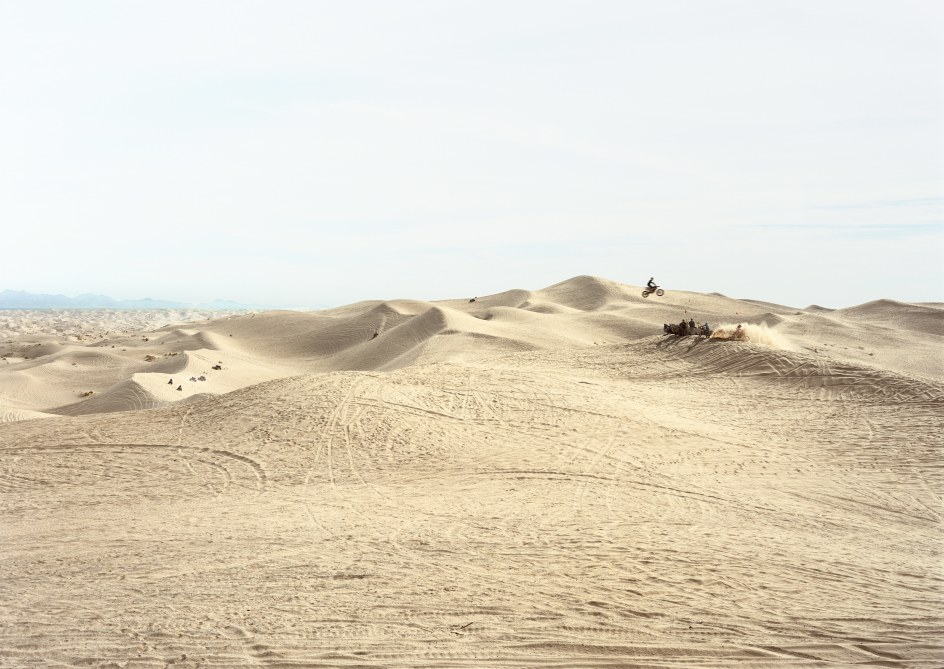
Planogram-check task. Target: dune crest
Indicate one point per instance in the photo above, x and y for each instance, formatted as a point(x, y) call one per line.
point(123, 369)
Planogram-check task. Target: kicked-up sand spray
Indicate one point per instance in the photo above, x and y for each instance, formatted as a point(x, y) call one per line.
point(754, 333)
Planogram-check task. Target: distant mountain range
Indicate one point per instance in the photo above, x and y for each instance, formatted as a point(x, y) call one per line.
point(19, 299)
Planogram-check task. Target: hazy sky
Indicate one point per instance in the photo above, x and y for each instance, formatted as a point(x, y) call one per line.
point(318, 153)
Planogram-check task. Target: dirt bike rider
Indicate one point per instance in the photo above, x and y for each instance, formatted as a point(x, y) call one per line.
point(651, 284)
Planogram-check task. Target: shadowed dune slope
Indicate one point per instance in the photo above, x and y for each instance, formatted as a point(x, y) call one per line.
point(123, 396)
point(791, 372)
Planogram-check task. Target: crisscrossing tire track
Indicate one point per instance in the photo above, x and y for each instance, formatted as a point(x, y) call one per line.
point(135, 466)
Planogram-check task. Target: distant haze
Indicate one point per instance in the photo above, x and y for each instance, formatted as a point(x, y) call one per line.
point(319, 153)
point(12, 299)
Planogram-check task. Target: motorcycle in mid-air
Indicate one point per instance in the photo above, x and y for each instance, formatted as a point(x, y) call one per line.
point(648, 290)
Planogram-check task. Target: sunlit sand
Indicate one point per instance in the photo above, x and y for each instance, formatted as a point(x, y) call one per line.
point(535, 478)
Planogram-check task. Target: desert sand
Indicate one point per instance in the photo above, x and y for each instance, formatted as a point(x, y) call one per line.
point(533, 479)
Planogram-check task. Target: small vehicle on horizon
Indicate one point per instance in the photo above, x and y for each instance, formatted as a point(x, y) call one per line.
point(648, 290)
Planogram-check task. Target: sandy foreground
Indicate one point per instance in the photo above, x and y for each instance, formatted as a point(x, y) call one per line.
point(533, 479)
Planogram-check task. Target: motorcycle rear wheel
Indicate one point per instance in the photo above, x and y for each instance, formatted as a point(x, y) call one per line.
point(645, 293)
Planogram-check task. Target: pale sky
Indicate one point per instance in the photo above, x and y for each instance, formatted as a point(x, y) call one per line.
point(318, 153)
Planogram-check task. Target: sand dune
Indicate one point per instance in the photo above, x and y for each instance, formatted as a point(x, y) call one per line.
point(44, 374)
point(536, 478)
point(897, 315)
point(10, 415)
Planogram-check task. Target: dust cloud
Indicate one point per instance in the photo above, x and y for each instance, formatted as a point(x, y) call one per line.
point(754, 333)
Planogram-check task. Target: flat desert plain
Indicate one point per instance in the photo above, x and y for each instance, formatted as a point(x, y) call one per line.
point(531, 479)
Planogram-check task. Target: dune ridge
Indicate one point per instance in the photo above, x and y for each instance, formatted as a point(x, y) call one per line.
point(47, 375)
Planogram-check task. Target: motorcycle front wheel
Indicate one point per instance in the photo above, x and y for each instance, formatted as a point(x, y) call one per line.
point(660, 292)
